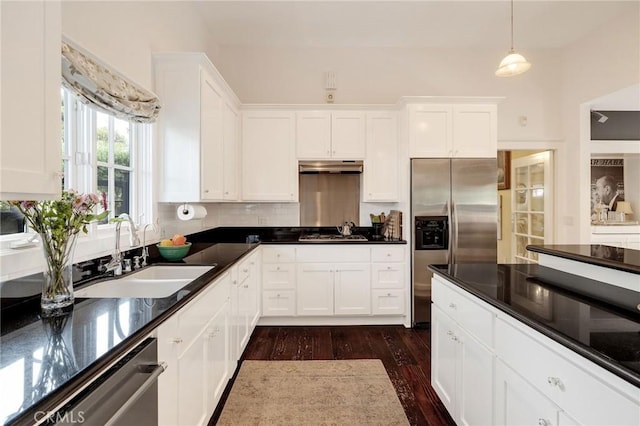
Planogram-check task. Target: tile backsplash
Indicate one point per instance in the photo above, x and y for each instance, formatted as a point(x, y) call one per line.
point(229, 214)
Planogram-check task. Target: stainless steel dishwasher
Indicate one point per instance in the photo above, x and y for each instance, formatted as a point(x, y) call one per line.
point(126, 394)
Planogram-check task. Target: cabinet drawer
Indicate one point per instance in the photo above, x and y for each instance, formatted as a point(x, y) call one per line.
point(246, 267)
point(587, 392)
point(198, 313)
point(278, 303)
point(387, 275)
point(466, 311)
point(278, 254)
point(387, 302)
point(278, 276)
point(387, 253)
point(333, 253)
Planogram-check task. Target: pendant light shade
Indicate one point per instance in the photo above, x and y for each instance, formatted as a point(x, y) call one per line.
point(513, 63)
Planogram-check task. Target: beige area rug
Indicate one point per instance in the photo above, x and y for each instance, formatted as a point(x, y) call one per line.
point(344, 392)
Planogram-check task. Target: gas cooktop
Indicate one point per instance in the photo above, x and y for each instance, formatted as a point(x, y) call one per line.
point(326, 238)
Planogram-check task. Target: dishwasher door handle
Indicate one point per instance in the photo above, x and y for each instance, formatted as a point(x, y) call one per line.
point(156, 370)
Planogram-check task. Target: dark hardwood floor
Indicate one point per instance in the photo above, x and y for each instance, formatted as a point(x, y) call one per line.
point(404, 352)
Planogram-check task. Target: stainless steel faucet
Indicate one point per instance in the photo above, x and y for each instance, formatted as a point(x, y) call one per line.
point(115, 264)
point(145, 250)
point(134, 240)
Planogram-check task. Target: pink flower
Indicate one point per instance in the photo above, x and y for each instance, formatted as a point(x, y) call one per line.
point(94, 198)
point(28, 204)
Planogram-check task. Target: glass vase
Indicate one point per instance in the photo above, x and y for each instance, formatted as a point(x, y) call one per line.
point(57, 288)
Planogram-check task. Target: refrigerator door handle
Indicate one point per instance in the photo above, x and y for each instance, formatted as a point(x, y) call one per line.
point(449, 233)
point(454, 232)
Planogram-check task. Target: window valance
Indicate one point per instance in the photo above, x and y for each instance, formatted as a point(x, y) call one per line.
point(106, 89)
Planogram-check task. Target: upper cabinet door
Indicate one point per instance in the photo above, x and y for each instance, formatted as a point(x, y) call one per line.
point(475, 131)
point(269, 166)
point(347, 135)
point(380, 176)
point(231, 148)
point(313, 135)
point(30, 144)
point(211, 139)
point(429, 131)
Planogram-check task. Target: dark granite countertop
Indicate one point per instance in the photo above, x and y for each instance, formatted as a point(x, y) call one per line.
point(99, 331)
point(284, 235)
point(596, 320)
point(622, 259)
point(47, 360)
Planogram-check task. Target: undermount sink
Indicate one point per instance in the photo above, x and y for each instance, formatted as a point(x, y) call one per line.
point(151, 282)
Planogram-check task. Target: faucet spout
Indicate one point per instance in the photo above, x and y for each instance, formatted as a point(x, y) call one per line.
point(134, 240)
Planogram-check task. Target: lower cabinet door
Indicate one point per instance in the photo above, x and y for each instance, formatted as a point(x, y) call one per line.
point(352, 289)
point(314, 289)
point(475, 385)
point(519, 403)
point(191, 384)
point(217, 357)
point(443, 359)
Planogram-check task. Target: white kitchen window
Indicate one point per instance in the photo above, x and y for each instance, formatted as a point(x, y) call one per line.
point(103, 153)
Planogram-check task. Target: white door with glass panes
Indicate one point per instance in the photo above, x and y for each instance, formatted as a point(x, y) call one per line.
point(531, 204)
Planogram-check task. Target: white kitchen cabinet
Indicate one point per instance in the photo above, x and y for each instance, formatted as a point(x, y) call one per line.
point(231, 151)
point(445, 130)
point(519, 403)
point(314, 289)
point(278, 280)
point(30, 61)
point(269, 166)
point(583, 391)
point(333, 280)
point(388, 285)
point(333, 289)
point(195, 343)
point(462, 371)
point(535, 379)
point(462, 364)
point(217, 358)
point(197, 130)
point(338, 135)
point(211, 139)
point(380, 175)
point(245, 303)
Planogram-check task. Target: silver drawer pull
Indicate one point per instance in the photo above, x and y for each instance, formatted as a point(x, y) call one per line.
point(555, 381)
point(177, 340)
point(543, 422)
point(452, 305)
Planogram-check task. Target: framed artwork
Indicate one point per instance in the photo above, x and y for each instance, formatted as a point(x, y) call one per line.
point(504, 170)
point(607, 185)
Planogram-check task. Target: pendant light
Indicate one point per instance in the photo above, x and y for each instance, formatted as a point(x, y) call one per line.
point(513, 63)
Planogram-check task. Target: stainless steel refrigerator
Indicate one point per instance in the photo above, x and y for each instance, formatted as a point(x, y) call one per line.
point(454, 220)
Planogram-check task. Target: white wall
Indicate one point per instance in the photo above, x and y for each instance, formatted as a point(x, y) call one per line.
point(125, 33)
point(604, 62)
point(383, 75)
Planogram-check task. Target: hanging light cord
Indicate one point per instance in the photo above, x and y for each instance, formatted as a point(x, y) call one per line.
point(511, 27)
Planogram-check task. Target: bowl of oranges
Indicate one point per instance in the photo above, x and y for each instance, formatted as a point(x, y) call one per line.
point(174, 249)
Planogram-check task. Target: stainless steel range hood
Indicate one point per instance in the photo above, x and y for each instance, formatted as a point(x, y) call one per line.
point(329, 192)
point(344, 167)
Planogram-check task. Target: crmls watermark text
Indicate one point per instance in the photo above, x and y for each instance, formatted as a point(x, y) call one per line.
point(58, 417)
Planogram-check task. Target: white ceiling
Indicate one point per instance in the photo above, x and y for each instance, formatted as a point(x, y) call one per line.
point(427, 23)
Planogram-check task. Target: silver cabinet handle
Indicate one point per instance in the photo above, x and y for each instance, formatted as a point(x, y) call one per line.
point(158, 369)
point(555, 381)
point(543, 422)
point(177, 340)
point(452, 305)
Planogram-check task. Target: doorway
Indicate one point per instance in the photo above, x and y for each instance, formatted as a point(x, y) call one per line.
point(526, 205)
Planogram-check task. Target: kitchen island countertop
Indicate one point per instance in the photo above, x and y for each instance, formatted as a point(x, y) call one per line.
point(564, 307)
